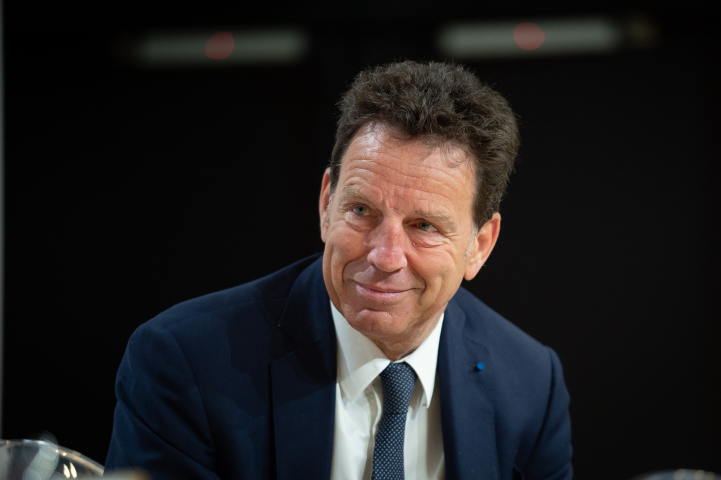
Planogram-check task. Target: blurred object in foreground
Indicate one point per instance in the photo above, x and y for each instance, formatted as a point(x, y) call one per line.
point(42, 460)
point(271, 46)
point(680, 474)
point(544, 37)
point(127, 475)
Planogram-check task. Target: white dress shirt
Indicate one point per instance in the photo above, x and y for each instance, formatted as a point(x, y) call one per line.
point(359, 407)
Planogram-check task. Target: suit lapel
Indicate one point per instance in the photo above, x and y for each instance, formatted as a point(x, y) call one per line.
point(303, 382)
point(467, 411)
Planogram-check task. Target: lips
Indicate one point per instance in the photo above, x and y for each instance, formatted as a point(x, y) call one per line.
point(382, 289)
point(380, 294)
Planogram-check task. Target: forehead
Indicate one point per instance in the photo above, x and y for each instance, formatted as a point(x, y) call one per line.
point(380, 162)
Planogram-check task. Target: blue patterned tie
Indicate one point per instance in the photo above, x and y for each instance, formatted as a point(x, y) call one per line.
point(398, 380)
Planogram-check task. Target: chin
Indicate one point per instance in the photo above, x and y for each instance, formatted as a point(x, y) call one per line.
point(375, 323)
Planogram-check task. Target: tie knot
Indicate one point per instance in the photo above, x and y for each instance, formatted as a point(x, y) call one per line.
point(398, 380)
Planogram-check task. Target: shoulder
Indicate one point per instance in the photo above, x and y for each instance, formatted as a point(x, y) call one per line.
point(525, 381)
point(488, 326)
point(252, 307)
point(198, 371)
point(523, 370)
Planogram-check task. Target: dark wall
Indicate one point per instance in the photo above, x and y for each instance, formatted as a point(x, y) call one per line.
point(129, 190)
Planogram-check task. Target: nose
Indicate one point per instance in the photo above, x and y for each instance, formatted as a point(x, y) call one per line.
point(388, 241)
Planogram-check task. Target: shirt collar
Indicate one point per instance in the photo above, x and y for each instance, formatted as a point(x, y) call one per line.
point(360, 360)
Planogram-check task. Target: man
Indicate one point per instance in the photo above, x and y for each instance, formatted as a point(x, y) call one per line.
point(368, 361)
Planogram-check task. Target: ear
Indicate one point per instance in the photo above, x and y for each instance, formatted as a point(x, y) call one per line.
point(483, 245)
point(323, 204)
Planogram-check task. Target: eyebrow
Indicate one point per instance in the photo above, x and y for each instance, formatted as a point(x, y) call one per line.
point(353, 191)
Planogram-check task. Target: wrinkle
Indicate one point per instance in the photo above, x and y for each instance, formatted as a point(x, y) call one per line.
point(400, 171)
point(416, 184)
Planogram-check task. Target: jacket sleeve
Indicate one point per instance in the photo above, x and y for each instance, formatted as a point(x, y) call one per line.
point(159, 424)
point(551, 456)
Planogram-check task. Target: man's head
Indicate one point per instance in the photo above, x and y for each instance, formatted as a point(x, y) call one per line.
point(443, 105)
point(421, 161)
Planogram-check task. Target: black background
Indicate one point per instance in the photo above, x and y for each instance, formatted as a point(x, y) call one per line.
point(129, 190)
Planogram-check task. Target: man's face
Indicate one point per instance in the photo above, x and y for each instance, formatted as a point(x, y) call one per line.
point(399, 236)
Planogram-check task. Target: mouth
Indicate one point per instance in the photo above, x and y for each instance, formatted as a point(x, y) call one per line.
point(380, 294)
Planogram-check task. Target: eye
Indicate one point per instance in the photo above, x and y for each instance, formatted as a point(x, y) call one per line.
point(360, 210)
point(426, 227)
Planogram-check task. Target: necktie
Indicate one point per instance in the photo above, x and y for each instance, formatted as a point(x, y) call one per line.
point(398, 381)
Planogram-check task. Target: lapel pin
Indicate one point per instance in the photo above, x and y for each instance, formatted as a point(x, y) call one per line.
point(480, 366)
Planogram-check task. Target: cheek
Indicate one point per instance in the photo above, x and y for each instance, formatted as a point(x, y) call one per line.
point(440, 271)
point(345, 245)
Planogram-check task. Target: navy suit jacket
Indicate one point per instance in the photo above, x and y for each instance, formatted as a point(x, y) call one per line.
point(241, 384)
